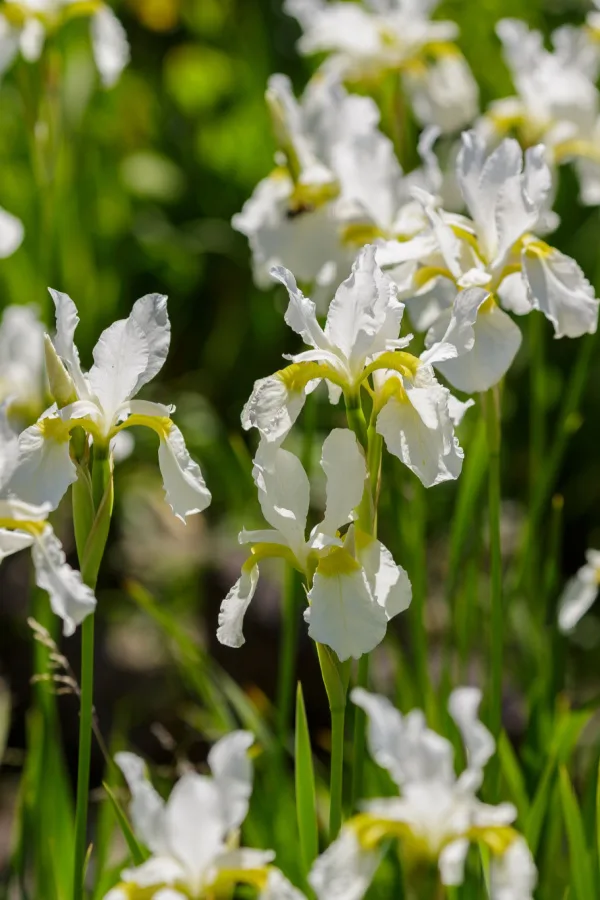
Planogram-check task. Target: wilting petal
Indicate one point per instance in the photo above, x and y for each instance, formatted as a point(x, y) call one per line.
point(389, 583)
point(45, 469)
point(345, 870)
point(419, 431)
point(560, 290)
point(11, 233)
point(578, 596)
point(385, 732)
point(272, 408)
point(110, 45)
point(344, 465)
point(147, 806)
point(232, 771)
point(480, 746)
point(185, 489)
point(67, 321)
point(452, 862)
point(343, 613)
point(513, 876)
point(283, 493)
point(195, 828)
point(13, 541)
point(493, 338)
point(70, 598)
point(234, 606)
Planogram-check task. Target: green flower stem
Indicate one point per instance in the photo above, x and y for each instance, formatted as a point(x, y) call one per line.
point(358, 757)
point(92, 502)
point(335, 678)
point(536, 432)
point(287, 653)
point(491, 407)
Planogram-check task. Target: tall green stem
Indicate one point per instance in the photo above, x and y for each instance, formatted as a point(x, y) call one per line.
point(536, 433)
point(335, 678)
point(287, 654)
point(96, 493)
point(491, 404)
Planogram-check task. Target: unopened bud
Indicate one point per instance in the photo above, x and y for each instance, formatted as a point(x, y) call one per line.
point(61, 383)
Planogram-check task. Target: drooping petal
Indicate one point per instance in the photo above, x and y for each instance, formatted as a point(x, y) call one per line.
point(195, 828)
point(364, 314)
point(452, 862)
point(283, 493)
point(417, 428)
point(559, 289)
point(110, 45)
point(184, 485)
point(13, 541)
point(343, 613)
point(67, 321)
point(345, 870)
point(385, 731)
point(146, 809)
point(273, 408)
point(487, 341)
point(12, 233)
point(234, 606)
point(578, 596)
point(70, 598)
point(344, 465)
point(45, 468)
point(232, 771)
point(389, 583)
point(513, 875)
point(121, 357)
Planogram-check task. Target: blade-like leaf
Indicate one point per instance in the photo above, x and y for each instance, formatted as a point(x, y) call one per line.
point(306, 804)
point(580, 862)
point(137, 854)
point(513, 775)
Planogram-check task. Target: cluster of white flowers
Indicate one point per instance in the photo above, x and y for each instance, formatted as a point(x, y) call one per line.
point(437, 815)
point(26, 24)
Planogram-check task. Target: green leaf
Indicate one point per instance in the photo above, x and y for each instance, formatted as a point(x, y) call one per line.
point(137, 854)
point(306, 802)
point(512, 773)
point(580, 867)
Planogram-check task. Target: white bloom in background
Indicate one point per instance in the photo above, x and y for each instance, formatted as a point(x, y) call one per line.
point(193, 836)
point(366, 41)
point(127, 356)
point(496, 252)
point(22, 378)
point(580, 592)
point(353, 584)
point(437, 815)
point(360, 339)
point(11, 231)
point(25, 525)
point(24, 25)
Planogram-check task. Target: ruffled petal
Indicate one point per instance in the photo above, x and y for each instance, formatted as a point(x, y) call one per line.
point(559, 289)
point(272, 408)
point(45, 469)
point(234, 606)
point(70, 598)
point(184, 485)
point(345, 870)
point(13, 541)
point(389, 583)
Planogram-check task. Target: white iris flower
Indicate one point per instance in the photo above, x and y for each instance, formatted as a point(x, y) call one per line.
point(496, 255)
point(437, 815)
point(193, 836)
point(24, 25)
point(411, 409)
point(127, 356)
point(26, 525)
point(365, 41)
point(353, 584)
point(580, 592)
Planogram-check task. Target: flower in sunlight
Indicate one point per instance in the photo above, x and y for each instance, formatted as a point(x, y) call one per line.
point(12, 231)
point(22, 378)
point(361, 341)
point(193, 837)
point(353, 584)
point(128, 355)
point(580, 592)
point(365, 42)
point(25, 24)
point(495, 254)
point(437, 815)
point(26, 525)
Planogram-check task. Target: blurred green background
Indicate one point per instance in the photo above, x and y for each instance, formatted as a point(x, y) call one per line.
point(146, 181)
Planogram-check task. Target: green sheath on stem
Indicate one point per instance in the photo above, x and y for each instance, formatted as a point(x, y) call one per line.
point(335, 678)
